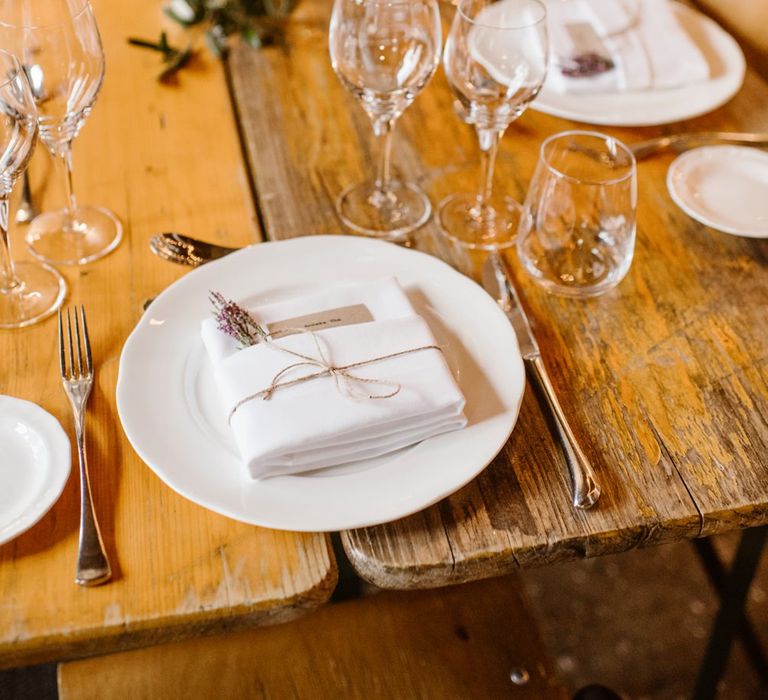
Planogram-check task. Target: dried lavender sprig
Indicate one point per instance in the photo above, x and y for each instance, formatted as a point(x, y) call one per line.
point(236, 321)
point(586, 65)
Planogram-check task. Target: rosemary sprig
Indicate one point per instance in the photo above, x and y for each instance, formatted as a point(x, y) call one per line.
point(173, 58)
point(257, 22)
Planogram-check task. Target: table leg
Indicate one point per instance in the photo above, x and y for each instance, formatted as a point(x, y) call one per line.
point(730, 617)
point(718, 577)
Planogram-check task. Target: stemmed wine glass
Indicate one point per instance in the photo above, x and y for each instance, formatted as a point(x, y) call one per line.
point(384, 52)
point(29, 291)
point(59, 46)
point(496, 60)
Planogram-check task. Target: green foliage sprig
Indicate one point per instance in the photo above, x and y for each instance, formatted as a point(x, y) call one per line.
point(257, 22)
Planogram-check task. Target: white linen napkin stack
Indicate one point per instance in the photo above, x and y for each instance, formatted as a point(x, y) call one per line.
point(649, 47)
point(317, 423)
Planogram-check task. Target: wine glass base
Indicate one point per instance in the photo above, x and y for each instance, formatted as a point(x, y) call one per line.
point(404, 209)
point(52, 238)
point(459, 222)
point(39, 293)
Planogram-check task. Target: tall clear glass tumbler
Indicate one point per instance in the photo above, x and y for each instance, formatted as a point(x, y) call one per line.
point(29, 291)
point(577, 233)
point(385, 52)
point(59, 46)
point(495, 59)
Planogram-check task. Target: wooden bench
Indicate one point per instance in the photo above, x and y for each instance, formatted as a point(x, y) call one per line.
point(460, 642)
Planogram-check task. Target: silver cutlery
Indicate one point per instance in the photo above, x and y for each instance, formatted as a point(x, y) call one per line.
point(498, 283)
point(682, 142)
point(186, 250)
point(77, 378)
point(26, 210)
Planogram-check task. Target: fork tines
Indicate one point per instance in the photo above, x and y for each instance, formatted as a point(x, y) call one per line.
point(75, 370)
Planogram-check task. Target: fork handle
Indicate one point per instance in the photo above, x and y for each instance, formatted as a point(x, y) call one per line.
point(92, 564)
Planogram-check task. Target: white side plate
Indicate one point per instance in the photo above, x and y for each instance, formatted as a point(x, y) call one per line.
point(34, 464)
point(724, 187)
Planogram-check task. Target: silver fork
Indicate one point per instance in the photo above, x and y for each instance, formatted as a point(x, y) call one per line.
point(77, 377)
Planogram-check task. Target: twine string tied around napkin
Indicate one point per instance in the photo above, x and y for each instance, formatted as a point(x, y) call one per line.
point(347, 383)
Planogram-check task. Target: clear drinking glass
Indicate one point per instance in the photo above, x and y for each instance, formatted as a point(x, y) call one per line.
point(496, 60)
point(29, 291)
point(384, 52)
point(577, 232)
point(59, 46)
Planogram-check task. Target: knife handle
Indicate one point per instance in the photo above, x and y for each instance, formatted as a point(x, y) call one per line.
point(585, 488)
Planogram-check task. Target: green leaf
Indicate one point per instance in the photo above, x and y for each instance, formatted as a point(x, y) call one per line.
point(216, 42)
point(252, 36)
point(183, 22)
point(179, 60)
point(144, 44)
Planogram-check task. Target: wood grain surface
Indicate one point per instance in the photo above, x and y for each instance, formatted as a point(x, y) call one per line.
point(451, 644)
point(663, 379)
point(162, 158)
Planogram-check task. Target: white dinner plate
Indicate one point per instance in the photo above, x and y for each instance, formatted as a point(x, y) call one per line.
point(651, 107)
point(34, 466)
point(171, 413)
point(724, 187)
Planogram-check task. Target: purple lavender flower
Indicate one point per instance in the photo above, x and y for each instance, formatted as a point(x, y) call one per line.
point(236, 322)
point(586, 65)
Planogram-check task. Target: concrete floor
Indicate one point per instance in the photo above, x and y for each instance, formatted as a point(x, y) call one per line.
point(636, 622)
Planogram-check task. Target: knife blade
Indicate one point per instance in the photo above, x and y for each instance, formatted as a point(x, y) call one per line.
point(497, 281)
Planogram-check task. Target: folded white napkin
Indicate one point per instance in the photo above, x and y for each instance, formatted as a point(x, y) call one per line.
point(643, 38)
point(317, 423)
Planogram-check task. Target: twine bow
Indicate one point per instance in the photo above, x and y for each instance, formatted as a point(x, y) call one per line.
point(347, 383)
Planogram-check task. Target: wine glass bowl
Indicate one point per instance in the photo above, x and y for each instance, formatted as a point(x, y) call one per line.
point(384, 52)
point(29, 291)
point(60, 49)
point(495, 60)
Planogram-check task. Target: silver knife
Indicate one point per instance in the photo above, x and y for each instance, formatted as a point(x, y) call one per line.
point(498, 283)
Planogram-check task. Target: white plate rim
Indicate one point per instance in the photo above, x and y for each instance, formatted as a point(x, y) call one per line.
point(681, 168)
point(59, 466)
point(597, 109)
point(292, 248)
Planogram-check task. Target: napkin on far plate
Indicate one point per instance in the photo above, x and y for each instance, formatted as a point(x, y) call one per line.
point(316, 424)
point(644, 39)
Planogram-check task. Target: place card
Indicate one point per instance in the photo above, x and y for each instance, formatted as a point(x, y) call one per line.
point(320, 320)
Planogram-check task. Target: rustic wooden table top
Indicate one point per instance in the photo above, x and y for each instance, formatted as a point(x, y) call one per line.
point(664, 378)
point(147, 152)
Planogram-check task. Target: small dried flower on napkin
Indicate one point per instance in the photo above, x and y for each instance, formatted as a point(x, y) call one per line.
point(236, 322)
point(586, 65)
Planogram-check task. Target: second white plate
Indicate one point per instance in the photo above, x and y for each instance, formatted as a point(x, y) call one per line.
point(171, 413)
point(34, 464)
point(723, 187)
point(652, 107)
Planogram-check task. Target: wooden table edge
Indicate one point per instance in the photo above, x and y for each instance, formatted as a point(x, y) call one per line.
point(124, 636)
point(495, 563)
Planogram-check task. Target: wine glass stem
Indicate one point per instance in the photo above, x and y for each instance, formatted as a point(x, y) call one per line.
point(383, 130)
point(65, 158)
point(8, 280)
point(489, 146)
